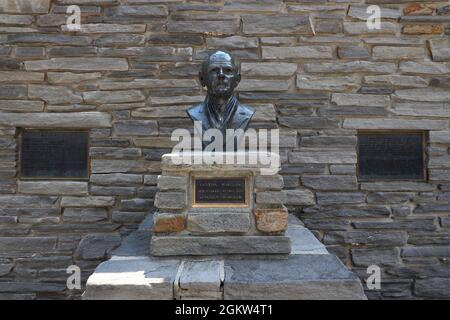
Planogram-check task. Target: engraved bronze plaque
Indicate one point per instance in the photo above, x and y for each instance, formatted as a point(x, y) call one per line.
point(391, 156)
point(54, 154)
point(220, 192)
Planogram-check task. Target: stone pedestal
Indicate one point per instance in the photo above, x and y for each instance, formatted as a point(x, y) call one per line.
point(308, 272)
point(252, 220)
point(242, 249)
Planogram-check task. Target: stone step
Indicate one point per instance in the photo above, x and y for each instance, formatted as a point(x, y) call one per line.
point(301, 277)
point(309, 272)
point(199, 279)
point(202, 246)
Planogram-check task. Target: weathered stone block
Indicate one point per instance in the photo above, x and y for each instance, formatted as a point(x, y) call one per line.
point(97, 246)
point(20, 76)
point(445, 222)
point(116, 179)
point(271, 220)
point(324, 182)
point(360, 12)
point(337, 198)
point(263, 85)
point(350, 67)
point(397, 53)
point(218, 222)
point(427, 224)
point(149, 84)
point(199, 280)
point(5, 268)
point(168, 222)
point(215, 27)
point(135, 278)
point(271, 197)
point(368, 100)
point(426, 95)
point(54, 94)
point(335, 83)
point(375, 238)
point(7, 143)
point(124, 166)
point(353, 28)
point(432, 288)
point(93, 28)
point(308, 122)
point(136, 128)
point(124, 96)
point(170, 200)
point(53, 187)
point(166, 182)
point(343, 169)
point(87, 202)
point(232, 42)
point(85, 214)
point(367, 257)
point(290, 279)
point(179, 245)
point(422, 29)
point(78, 64)
point(16, 19)
point(397, 80)
point(13, 92)
point(269, 69)
point(396, 186)
point(299, 197)
point(300, 52)
point(56, 120)
point(332, 156)
point(440, 50)
point(425, 67)
point(70, 77)
point(319, 224)
point(136, 204)
point(27, 244)
point(24, 6)
point(128, 217)
point(389, 197)
point(269, 182)
point(286, 24)
point(113, 191)
point(353, 52)
point(426, 251)
point(252, 5)
point(160, 112)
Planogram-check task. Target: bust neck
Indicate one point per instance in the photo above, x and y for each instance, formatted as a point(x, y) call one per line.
point(220, 115)
point(219, 102)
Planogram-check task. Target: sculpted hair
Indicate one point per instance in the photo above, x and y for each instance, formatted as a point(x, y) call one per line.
point(211, 56)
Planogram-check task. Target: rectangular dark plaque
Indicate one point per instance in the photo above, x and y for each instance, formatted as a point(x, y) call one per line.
point(54, 154)
point(220, 191)
point(391, 156)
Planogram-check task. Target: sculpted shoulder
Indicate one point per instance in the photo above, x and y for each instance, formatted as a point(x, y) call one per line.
point(196, 112)
point(246, 111)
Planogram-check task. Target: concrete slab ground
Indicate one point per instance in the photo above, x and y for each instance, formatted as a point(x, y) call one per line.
point(309, 272)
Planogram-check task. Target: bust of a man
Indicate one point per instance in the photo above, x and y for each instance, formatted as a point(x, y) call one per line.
point(221, 109)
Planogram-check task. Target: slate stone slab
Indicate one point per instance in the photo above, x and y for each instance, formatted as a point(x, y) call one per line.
point(299, 277)
point(221, 222)
point(200, 279)
point(201, 246)
point(133, 278)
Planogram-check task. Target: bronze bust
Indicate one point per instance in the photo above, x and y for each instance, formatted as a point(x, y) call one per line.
point(221, 109)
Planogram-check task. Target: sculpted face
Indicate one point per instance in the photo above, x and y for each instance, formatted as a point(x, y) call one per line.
point(220, 74)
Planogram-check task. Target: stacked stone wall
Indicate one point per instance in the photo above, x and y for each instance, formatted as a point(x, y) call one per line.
point(311, 68)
